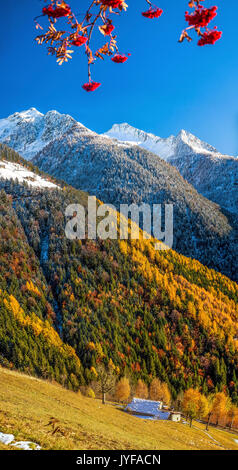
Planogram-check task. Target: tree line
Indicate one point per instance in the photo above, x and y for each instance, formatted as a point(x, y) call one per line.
point(215, 408)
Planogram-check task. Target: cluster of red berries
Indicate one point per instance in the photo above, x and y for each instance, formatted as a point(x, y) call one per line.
point(119, 58)
point(91, 86)
point(57, 12)
point(112, 3)
point(209, 37)
point(152, 13)
point(108, 28)
point(79, 41)
point(200, 18)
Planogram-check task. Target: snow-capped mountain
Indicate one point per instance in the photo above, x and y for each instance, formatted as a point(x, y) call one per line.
point(28, 132)
point(164, 148)
point(213, 174)
point(119, 173)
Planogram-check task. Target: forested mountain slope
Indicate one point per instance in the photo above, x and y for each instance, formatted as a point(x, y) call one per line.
point(119, 175)
point(28, 339)
point(153, 313)
point(212, 174)
point(123, 174)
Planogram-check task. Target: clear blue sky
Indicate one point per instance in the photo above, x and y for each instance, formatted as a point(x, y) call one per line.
point(163, 87)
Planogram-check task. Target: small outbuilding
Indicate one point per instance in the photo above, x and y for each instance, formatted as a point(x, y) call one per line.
point(175, 416)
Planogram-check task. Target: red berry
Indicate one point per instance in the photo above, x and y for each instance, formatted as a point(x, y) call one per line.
point(201, 17)
point(152, 13)
point(119, 58)
point(112, 3)
point(209, 37)
point(108, 28)
point(91, 86)
point(79, 41)
point(57, 12)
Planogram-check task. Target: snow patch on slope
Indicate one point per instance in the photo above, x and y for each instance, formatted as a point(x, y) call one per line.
point(10, 170)
point(8, 439)
point(26, 445)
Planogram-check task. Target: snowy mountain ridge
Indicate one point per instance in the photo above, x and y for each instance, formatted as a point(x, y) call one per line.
point(123, 174)
point(212, 174)
point(31, 133)
point(163, 147)
point(28, 132)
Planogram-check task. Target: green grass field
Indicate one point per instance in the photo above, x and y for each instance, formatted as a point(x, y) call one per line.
point(27, 404)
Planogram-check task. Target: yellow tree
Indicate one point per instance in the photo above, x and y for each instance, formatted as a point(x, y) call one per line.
point(220, 406)
point(232, 414)
point(123, 389)
point(203, 406)
point(141, 389)
point(165, 393)
point(190, 404)
point(155, 389)
point(160, 391)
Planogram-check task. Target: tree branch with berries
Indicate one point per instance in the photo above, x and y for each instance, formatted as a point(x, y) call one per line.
point(62, 43)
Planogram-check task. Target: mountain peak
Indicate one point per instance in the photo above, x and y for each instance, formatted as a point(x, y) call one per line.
point(30, 113)
point(196, 144)
point(29, 131)
point(122, 127)
point(163, 147)
point(122, 124)
point(183, 133)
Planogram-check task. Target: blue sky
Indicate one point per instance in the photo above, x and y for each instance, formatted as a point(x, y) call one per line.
point(163, 87)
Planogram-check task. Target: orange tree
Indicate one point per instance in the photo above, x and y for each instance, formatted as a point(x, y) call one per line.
point(99, 17)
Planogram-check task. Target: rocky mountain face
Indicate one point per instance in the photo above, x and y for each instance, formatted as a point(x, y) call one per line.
point(30, 131)
point(120, 173)
point(214, 175)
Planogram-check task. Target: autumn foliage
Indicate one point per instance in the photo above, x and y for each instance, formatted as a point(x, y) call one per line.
point(99, 17)
point(148, 314)
point(216, 409)
point(141, 389)
point(160, 391)
point(123, 389)
point(195, 405)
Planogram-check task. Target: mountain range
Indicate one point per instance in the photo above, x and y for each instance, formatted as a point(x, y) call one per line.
point(213, 174)
point(117, 172)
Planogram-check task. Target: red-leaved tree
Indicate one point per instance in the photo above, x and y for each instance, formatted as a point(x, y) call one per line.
point(99, 16)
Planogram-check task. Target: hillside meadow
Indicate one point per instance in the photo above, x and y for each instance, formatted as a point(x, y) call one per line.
point(27, 404)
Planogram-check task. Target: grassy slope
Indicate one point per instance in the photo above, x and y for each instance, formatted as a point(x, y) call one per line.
point(26, 404)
